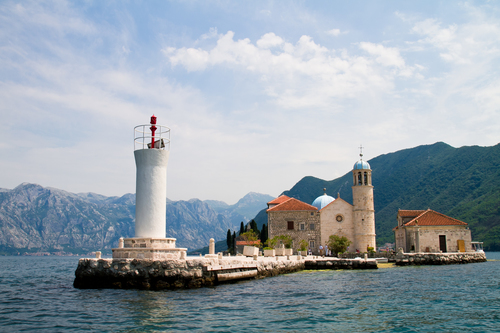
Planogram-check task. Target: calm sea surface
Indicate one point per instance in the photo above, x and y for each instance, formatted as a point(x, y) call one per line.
point(36, 294)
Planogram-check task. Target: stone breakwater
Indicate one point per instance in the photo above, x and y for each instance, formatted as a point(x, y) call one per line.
point(335, 263)
point(405, 259)
point(195, 272)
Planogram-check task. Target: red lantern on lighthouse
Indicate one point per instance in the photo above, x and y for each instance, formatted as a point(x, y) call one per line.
point(153, 129)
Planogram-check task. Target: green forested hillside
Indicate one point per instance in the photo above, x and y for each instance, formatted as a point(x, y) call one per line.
point(463, 183)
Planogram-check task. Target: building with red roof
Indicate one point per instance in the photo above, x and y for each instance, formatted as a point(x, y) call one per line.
point(430, 231)
point(328, 216)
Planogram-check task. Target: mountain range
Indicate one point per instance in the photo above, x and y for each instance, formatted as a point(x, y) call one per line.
point(463, 183)
point(39, 219)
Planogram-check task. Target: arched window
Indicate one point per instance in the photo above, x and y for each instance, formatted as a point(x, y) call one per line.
point(359, 179)
point(366, 178)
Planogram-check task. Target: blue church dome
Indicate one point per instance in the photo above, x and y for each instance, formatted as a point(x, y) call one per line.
point(359, 165)
point(322, 201)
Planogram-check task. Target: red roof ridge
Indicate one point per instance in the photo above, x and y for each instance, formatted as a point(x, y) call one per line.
point(282, 198)
point(293, 204)
point(427, 215)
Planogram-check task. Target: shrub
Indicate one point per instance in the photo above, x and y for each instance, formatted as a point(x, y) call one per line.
point(338, 244)
point(303, 245)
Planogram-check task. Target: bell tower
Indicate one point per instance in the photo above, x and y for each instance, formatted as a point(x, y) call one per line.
point(364, 210)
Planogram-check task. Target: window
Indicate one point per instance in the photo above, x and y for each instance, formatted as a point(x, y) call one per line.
point(339, 218)
point(366, 179)
point(311, 244)
point(311, 226)
point(302, 226)
point(290, 225)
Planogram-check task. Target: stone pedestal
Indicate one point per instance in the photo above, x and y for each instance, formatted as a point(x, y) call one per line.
point(149, 248)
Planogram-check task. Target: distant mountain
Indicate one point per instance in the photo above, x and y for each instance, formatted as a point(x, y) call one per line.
point(34, 218)
point(244, 210)
point(463, 183)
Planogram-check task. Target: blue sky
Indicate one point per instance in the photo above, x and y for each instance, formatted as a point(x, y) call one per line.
point(258, 94)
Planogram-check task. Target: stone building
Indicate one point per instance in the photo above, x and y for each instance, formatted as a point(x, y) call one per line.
point(328, 216)
point(430, 231)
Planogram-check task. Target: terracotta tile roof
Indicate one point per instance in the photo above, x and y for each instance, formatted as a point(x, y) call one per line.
point(409, 213)
point(292, 204)
point(239, 242)
point(278, 200)
point(430, 217)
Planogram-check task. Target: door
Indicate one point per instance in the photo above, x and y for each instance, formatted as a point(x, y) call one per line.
point(442, 243)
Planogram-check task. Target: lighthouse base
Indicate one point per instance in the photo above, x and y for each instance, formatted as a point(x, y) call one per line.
point(148, 248)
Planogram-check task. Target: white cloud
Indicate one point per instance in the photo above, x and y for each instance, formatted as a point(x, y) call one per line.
point(269, 40)
point(212, 33)
point(334, 32)
point(386, 56)
point(304, 74)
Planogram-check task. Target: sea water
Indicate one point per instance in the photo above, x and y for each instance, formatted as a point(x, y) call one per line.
point(37, 295)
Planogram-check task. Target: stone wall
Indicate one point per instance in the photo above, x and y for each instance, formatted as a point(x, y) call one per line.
point(196, 272)
point(405, 259)
point(278, 225)
point(174, 274)
point(335, 263)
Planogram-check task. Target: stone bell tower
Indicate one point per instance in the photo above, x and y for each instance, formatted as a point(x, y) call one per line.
point(151, 151)
point(363, 211)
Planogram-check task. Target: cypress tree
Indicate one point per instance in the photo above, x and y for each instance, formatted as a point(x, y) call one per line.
point(253, 226)
point(263, 234)
point(229, 239)
point(234, 242)
point(242, 228)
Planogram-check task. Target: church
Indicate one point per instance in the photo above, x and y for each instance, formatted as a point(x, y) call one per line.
point(327, 216)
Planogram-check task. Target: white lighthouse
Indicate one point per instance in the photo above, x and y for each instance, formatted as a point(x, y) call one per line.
point(151, 152)
point(151, 160)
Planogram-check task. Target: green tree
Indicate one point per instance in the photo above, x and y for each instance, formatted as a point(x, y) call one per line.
point(263, 234)
point(303, 245)
point(338, 244)
point(229, 239)
point(281, 239)
point(254, 227)
point(242, 228)
point(234, 242)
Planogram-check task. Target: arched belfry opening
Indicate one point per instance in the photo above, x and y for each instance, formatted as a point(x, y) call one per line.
point(362, 175)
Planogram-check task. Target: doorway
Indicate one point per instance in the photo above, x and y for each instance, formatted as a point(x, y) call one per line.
point(442, 243)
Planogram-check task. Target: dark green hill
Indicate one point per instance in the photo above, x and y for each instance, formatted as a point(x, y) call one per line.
point(463, 183)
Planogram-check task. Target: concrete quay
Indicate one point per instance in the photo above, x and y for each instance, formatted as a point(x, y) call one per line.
point(196, 272)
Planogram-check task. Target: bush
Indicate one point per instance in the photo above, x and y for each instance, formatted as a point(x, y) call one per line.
point(282, 239)
point(338, 244)
point(303, 245)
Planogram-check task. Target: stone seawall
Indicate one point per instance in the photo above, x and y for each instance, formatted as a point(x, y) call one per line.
point(173, 274)
point(405, 259)
point(335, 263)
point(197, 272)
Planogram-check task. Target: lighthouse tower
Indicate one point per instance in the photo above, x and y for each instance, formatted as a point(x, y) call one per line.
point(151, 159)
point(151, 152)
point(364, 210)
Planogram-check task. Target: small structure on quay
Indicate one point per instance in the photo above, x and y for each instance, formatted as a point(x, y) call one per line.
point(430, 231)
point(151, 152)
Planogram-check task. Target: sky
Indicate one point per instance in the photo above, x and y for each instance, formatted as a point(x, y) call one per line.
point(257, 94)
